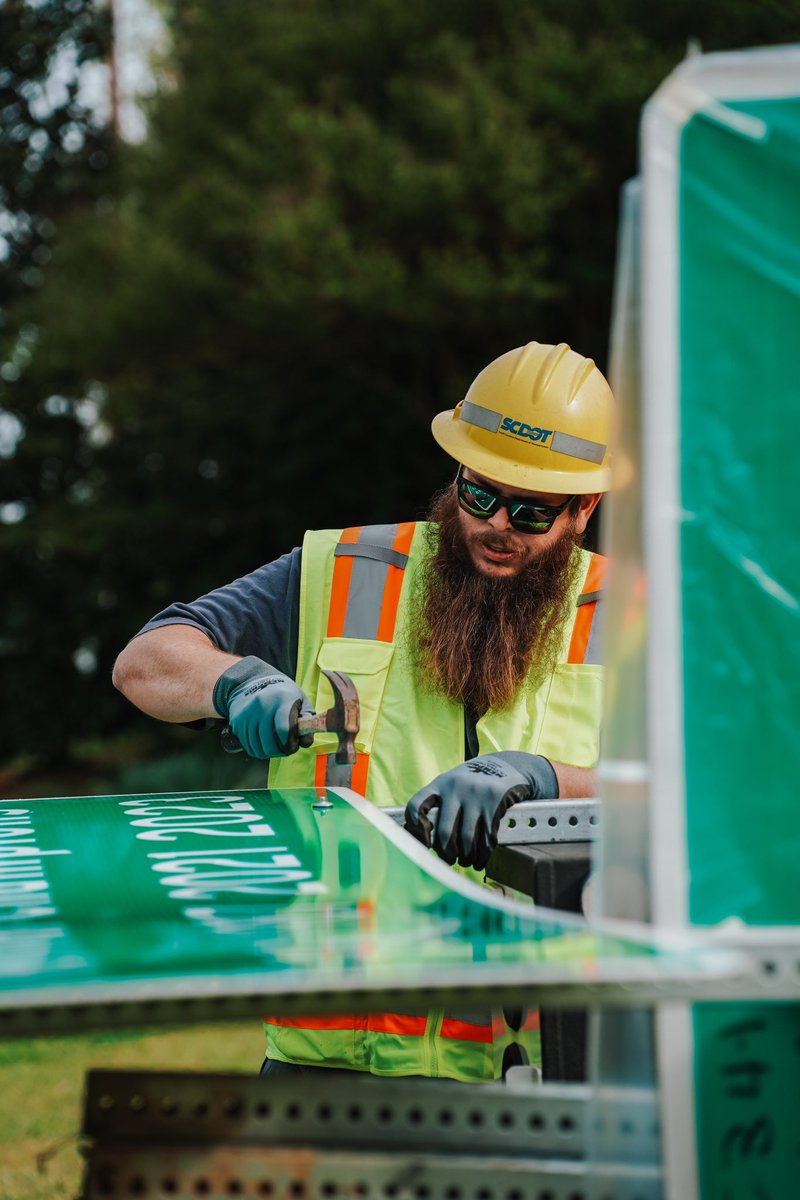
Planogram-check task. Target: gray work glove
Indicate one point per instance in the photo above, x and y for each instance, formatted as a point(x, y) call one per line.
point(472, 798)
point(262, 706)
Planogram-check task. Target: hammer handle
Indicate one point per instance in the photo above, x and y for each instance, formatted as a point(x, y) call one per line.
point(318, 723)
point(229, 741)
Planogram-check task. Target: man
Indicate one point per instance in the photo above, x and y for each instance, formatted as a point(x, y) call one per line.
point(470, 639)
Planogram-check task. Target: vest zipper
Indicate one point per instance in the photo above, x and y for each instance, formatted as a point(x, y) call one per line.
point(433, 1029)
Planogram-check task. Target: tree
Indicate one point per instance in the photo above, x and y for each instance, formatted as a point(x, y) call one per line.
point(343, 210)
point(55, 155)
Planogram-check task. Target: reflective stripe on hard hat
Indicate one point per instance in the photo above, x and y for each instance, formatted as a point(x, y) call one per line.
point(539, 418)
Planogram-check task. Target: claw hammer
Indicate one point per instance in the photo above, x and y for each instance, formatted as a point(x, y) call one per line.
point(343, 719)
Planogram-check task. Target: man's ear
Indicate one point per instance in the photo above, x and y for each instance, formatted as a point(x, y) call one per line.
point(588, 504)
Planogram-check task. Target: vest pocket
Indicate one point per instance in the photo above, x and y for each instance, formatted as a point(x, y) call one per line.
point(367, 663)
point(570, 729)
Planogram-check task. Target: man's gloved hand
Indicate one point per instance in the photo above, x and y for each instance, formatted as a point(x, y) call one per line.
point(472, 798)
point(262, 706)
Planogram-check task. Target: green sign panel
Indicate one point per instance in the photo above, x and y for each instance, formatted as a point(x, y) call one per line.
point(721, 314)
point(295, 895)
point(740, 316)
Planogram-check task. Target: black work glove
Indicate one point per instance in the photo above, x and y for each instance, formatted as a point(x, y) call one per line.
point(262, 706)
point(472, 798)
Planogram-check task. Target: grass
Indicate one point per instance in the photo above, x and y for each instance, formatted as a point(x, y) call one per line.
point(41, 1080)
point(41, 1085)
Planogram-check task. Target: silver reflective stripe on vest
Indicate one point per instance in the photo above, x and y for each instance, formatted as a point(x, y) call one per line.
point(594, 647)
point(395, 558)
point(372, 555)
point(367, 581)
point(337, 774)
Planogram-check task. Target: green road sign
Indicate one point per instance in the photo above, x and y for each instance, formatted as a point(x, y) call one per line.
point(721, 313)
point(120, 910)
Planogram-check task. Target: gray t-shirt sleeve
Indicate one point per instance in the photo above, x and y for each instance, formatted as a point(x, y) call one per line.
point(257, 614)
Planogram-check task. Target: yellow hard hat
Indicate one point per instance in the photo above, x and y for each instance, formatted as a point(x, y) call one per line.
point(537, 418)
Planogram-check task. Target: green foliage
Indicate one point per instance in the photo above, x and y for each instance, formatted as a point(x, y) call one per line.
point(54, 157)
point(344, 209)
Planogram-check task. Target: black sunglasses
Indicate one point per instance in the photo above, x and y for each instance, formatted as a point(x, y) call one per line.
point(483, 502)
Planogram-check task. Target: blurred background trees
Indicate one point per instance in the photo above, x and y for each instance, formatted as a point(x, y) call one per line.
point(241, 327)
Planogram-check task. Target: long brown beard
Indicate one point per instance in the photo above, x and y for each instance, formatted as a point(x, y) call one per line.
point(476, 638)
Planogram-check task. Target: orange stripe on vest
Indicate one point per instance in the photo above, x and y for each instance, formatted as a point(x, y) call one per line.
point(396, 1023)
point(394, 584)
point(340, 586)
point(581, 630)
point(337, 1022)
point(462, 1031)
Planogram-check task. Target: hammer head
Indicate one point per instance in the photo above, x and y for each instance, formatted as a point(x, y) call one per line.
point(345, 716)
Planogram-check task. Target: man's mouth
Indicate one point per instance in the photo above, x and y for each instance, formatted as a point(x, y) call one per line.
point(497, 552)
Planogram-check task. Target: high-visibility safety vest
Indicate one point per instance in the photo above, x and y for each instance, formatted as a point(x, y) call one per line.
point(355, 592)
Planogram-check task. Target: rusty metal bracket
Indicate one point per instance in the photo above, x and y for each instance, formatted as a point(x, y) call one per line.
point(189, 1135)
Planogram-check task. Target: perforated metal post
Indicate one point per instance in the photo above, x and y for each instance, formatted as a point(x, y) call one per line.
point(187, 1135)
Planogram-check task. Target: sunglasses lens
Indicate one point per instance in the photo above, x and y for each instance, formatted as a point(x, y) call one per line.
point(528, 519)
point(476, 500)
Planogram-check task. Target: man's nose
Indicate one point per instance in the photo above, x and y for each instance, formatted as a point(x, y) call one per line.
point(500, 520)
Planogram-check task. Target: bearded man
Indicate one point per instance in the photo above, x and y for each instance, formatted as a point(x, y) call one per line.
point(470, 639)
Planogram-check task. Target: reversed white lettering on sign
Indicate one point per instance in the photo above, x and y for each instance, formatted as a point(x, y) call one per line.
point(24, 890)
point(220, 816)
point(207, 875)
